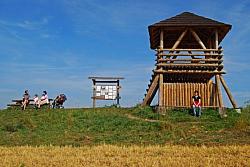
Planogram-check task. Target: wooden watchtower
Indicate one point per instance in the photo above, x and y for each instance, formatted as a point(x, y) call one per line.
point(188, 58)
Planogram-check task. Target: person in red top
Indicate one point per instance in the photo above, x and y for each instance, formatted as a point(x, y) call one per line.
point(196, 104)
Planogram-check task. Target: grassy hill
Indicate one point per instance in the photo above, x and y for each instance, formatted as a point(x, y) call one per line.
point(121, 126)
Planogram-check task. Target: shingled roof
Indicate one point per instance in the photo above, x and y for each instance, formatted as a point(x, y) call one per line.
point(186, 19)
point(189, 19)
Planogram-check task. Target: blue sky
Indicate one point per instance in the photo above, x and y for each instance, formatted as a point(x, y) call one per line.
point(55, 45)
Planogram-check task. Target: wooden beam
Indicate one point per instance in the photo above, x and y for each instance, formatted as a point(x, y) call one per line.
point(170, 96)
point(161, 93)
point(185, 54)
point(198, 39)
point(166, 92)
point(189, 72)
point(193, 60)
point(217, 81)
point(216, 40)
point(233, 102)
point(178, 42)
point(174, 98)
point(151, 92)
point(161, 39)
point(188, 65)
point(185, 95)
point(198, 50)
point(209, 90)
point(179, 39)
point(186, 106)
point(94, 92)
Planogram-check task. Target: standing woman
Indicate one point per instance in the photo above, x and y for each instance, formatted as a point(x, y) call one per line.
point(25, 101)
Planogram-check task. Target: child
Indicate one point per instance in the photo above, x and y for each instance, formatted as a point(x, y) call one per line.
point(36, 101)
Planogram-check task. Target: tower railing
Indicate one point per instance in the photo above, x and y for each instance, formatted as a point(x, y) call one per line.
point(190, 60)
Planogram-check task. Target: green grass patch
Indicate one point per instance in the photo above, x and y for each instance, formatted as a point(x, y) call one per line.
point(121, 126)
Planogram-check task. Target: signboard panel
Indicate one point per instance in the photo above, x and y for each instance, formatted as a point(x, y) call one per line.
point(106, 92)
point(106, 88)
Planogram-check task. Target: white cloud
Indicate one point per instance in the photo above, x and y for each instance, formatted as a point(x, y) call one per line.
point(236, 66)
point(26, 24)
point(21, 30)
point(94, 17)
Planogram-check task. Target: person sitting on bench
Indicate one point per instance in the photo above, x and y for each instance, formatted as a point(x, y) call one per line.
point(36, 101)
point(196, 104)
point(25, 100)
point(44, 99)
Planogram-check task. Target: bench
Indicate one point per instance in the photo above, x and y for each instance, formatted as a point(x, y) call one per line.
point(18, 103)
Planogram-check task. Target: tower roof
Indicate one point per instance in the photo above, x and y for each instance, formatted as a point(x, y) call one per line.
point(185, 20)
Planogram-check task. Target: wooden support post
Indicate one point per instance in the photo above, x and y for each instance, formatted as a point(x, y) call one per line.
point(186, 94)
point(216, 40)
point(161, 39)
point(94, 93)
point(118, 94)
point(166, 91)
point(233, 102)
point(177, 99)
point(161, 93)
point(220, 100)
point(172, 95)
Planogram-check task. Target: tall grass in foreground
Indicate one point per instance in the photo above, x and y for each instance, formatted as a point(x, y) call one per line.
point(107, 155)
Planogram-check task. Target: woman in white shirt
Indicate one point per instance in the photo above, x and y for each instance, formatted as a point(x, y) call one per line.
point(44, 99)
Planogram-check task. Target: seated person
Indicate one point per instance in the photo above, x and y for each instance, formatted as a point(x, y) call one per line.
point(44, 99)
point(25, 100)
point(36, 101)
point(59, 100)
point(196, 104)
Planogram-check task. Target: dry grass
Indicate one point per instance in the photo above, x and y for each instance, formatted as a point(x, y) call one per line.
point(108, 155)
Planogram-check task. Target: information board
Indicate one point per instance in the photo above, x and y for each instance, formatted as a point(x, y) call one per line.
point(107, 92)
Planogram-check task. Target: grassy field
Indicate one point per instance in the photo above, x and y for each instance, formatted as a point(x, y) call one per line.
point(120, 126)
point(107, 155)
point(123, 137)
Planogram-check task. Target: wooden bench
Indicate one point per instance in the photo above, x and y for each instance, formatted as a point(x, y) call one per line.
point(18, 103)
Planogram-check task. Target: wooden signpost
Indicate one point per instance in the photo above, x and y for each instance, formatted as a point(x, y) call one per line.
point(188, 58)
point(106, 88)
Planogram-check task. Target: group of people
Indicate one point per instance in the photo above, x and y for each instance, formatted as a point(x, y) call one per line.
point(37, 102)
point(44, 99)
point(60, 99)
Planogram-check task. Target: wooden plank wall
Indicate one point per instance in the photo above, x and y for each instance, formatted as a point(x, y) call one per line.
point(180, 94)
